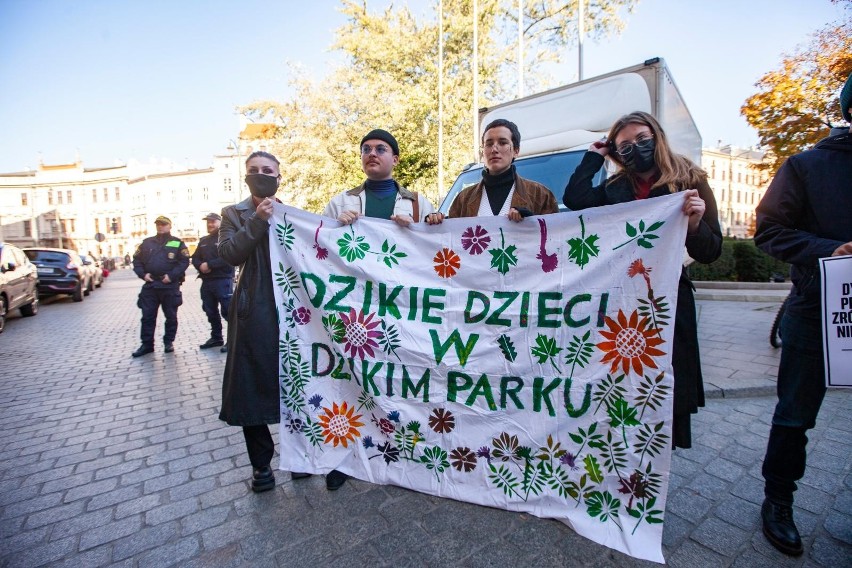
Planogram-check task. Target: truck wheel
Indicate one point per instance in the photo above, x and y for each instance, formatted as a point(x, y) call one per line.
point(77, 296)
point(30, 309)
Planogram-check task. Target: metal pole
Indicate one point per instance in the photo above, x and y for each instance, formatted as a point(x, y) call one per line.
point(441, 97)
point(580, 32)
point(475, 80)
point(520, 48)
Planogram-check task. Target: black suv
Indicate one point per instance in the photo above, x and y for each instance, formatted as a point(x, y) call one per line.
point(18, 283)
point(60, 271)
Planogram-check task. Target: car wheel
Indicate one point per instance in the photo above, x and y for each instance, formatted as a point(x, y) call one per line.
point(77, 296)
point(2, 313)
point(30, 309)
point(88, 288)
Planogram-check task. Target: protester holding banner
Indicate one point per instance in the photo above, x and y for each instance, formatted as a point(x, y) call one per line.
point(502, 192)
point(380, 195)
point(250, 385)
point(803, 217)
point(638, 145)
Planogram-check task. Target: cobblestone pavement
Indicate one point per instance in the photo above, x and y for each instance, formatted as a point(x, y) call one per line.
point(107, 460)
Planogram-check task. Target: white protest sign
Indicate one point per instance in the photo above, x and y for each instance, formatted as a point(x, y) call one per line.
point(837, 319)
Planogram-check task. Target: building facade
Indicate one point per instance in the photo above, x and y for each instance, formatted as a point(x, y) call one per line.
point(737, 185)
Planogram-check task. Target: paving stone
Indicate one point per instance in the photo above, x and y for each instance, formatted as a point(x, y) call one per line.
point(81, 523)
point(54, 514)
point(144, 539)
point(42, 554)
point(111, 498)
point(720, 536)
point(170, 554)
point(171, 511)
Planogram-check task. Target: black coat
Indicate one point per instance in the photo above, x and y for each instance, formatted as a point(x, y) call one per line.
point(250, 385)
point(804, 216)
point(704, 246)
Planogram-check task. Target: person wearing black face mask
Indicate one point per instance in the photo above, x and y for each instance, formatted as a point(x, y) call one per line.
point(250, 385)
point(638, 145)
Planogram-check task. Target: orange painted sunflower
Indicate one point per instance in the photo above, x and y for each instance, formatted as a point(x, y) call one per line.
point(630, 343)
point(339, 426)
point(447, 263)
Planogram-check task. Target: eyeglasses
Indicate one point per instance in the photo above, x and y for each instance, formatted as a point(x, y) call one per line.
point(642, 141)
point(502, 145)
point(380, 149)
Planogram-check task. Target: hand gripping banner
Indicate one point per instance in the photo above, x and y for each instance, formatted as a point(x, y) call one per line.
point(525, 366)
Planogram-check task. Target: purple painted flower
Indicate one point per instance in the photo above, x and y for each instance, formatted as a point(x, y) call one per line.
point(301, 315)
point(315, 401)
point(484, 452)
point(569, 459)
point(475, 240)
point(367, 442)
point(394, 415)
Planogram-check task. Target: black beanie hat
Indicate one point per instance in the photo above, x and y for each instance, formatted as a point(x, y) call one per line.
point(846, 99)
point(384, 136)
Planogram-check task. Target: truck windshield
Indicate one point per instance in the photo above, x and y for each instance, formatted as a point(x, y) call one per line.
point(552, 170)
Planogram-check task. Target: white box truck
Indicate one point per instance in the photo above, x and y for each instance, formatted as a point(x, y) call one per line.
point(557, 126)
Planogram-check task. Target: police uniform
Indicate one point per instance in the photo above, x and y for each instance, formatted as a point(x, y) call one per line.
point(159, 256)
point(217, 285)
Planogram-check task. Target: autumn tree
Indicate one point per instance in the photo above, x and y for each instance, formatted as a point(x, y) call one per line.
point(797, 104)
point(389, 79)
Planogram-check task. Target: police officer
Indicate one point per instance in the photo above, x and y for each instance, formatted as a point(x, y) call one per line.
point(217, 281)
point(161, 262)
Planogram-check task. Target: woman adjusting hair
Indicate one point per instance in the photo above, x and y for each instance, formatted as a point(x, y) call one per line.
point(648, 168)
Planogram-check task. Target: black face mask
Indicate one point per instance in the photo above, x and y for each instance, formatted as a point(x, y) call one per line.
point(641, 159)
point(262, 185)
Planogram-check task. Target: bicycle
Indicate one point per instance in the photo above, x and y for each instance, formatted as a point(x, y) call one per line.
point(775, 333)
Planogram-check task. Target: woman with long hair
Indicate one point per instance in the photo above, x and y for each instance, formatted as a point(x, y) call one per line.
point(647, 168)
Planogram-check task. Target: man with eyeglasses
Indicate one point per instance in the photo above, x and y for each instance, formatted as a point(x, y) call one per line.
point(380, 195)
point(502, 192)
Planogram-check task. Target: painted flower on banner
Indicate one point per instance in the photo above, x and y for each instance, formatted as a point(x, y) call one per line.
point(301, 315)
point(447, 263)
point(631, 343)
point(463, 459)
point(352, 247)
point(475, 240)
point(340, 424)
point(360, 334)
point(442, 421)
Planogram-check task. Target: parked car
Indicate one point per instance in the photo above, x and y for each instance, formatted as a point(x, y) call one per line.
point(60, 271)
point(95, 269)
point(18, 283)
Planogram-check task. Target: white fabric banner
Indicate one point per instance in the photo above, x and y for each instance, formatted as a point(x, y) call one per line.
point(525, 366)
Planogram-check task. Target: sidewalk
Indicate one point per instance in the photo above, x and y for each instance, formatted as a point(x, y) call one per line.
point(107, 460)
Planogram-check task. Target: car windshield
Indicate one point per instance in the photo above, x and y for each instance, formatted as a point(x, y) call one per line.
point(46, 256)
point(552, 170)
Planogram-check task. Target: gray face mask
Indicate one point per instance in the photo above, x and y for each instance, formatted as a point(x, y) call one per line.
point(641, 159)
point(262, 185)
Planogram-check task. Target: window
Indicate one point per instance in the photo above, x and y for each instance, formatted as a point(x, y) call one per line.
point(723, 176)
point(28, 228)
point(117, 194)
point(24, 199)
point(59, 197)
point(106, 194)
point(189, 194)
point(739, 177)
point(205, 194)
point(97, 225)
point(739, 196)
point(723, 195)
point(713, 172)
point(94, 195)
point(50, 197)
point(227, 184)
point(68, 197)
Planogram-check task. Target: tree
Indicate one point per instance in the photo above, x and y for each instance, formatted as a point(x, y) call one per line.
point(389, 79)
point(798, 103)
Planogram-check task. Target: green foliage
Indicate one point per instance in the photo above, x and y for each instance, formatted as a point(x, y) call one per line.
point(388, 78)
point(741, 261)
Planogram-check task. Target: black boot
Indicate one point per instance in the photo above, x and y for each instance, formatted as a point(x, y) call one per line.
point(779, 528)
point(262, 479)
point(143, 350)
point(334, 480)
point(212, 342)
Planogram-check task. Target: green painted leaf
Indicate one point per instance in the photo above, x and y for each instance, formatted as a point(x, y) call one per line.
point(592, 468)
point(507, 347)
point(545, 349)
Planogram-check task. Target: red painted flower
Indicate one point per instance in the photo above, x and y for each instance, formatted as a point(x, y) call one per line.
point(447, 263)
point(301, 315)
point(360, 334)
point(630, 343)
point(475, 240)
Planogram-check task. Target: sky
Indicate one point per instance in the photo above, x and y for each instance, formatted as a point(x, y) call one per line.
point(112, 80)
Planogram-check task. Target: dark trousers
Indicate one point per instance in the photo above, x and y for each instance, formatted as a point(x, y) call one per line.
point(150, 301)
point(801, 389)
point(215, 297)
point(259, 445)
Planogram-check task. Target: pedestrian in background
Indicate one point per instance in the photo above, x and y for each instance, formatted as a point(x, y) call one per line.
point(803, 217)
point(217, 281)
point(649, 168)
point(250, 395)
point(161, 261)
point(380, 195)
